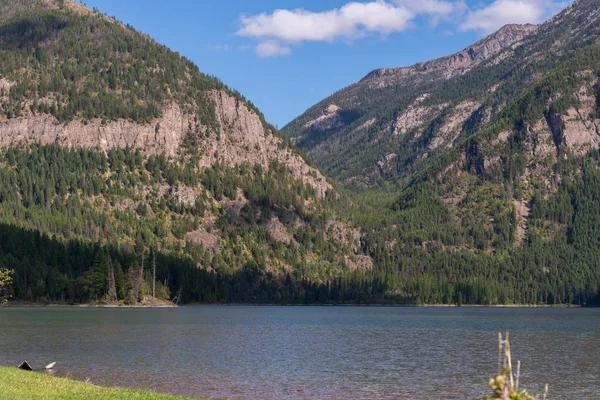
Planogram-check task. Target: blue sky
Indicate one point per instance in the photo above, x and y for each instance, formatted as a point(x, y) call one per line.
point(286, 56)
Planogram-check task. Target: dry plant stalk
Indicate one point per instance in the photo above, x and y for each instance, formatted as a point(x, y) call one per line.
point(506, 384)
point(506, 359)
point(518, 375)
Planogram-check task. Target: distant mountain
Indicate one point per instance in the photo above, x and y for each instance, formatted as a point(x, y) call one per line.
point(119, 152)
point(395, 120)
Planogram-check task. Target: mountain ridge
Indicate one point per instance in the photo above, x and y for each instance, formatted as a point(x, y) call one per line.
point(362, 131)
point(480, 51)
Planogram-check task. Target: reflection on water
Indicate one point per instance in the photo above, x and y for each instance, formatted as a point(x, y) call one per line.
point(309, 352)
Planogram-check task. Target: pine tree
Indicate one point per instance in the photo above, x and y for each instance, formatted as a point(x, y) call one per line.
point(100, 275)
point(112, 284)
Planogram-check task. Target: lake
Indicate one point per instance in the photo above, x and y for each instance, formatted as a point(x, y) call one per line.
point(309, 352)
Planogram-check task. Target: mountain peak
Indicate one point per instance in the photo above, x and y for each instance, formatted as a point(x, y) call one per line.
point(499, 40)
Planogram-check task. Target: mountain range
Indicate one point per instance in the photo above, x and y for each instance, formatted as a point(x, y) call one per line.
point(127, 174)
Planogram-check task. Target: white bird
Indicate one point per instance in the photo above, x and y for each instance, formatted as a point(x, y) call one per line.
point(50, 366)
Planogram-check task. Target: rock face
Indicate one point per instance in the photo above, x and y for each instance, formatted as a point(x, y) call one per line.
point(245, 140)
point(162, 135)
point(278, 231)
point(329, 120)
point(242, 137)
point(413, 117)
point(452, 124)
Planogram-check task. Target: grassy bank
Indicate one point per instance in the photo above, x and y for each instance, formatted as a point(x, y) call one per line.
point(23, 385)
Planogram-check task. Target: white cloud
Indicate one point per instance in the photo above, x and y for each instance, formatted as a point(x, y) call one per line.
point(501, 12)
point(276, 33)
point(353, 20)
point(219, 47)
point(348, 22)
point(433, 7)
point(272, 49)
point(435, 10)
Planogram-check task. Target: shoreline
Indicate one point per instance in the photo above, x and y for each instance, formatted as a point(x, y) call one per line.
point(374, 305)
point(387, 305)
point(69, 305)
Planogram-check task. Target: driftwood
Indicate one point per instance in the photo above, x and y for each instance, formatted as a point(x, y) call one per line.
point(25, 366)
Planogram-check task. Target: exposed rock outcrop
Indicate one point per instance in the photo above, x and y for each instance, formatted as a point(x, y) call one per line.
point(244, 140)
point(453, 123)
point(577, 131)
point(162, 135)
point(413, 117)
point(242, 137)
point(329, 120)
point(388, 164)
point(210, 241)
point(345, 235)
point(278, 231)
point(359, 263)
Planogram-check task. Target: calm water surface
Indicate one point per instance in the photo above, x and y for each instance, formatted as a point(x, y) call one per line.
point(306, 352)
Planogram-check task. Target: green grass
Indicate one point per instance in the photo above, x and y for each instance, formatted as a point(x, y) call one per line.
point(23, 385)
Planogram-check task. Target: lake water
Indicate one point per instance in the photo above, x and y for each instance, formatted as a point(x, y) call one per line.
point(309, 352)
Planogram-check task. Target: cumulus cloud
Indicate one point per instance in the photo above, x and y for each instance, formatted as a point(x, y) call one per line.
point(272, 49)
point(349, 21)
point(433, 7)
point(502, 12)
point(218, 47)
point(277, 32)
point(353, 20)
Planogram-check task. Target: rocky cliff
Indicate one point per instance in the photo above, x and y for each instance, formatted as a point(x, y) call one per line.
point(241, 137)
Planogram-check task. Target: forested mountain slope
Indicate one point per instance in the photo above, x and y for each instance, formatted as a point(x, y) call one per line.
point(489, 161)
point(120, 160)
point(516, 203)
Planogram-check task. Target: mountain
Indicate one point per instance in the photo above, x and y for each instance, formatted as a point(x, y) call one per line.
point(395, 120)
point(126, 172)
point(478, 172)
point(123, 167)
